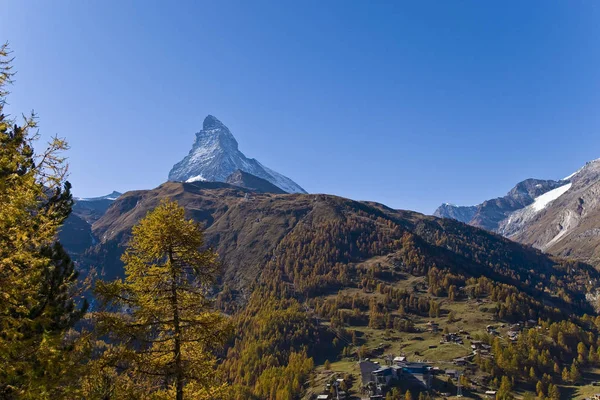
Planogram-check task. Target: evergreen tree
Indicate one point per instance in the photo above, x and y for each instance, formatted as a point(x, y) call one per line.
point(38, 283)
point(540, 389)
point(165, 338)
point(553, 392)
point(574, 373)
point(505, 389)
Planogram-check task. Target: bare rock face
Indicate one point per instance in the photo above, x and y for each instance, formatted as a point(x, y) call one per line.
point(215, 156)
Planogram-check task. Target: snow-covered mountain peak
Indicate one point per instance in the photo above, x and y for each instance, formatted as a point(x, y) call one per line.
point(215, 156)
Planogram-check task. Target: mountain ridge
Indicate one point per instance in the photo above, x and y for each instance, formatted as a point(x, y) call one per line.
point(248, 231)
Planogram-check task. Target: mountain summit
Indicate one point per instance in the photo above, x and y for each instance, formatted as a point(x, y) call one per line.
point(215, 156)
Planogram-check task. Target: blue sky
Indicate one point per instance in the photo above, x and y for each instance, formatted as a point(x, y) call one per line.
point(408, 103)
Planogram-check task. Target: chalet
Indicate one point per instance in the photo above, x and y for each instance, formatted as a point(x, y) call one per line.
point(476, 345)
point(515, 327)
point(461, 361)
point(451, 338)
point(452, 373)
point(433, 327)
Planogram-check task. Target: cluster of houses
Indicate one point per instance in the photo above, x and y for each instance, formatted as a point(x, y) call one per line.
point(492, 330)
point(480, 347)
point(376, 379)
point(515, 329)
point(336, 394)
point(452, 338)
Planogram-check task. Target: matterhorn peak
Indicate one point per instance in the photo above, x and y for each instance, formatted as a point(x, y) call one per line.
point(215, 156)
point(211, 122)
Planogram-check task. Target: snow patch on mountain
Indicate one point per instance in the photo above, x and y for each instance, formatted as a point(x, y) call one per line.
point(215, 156)
point(281, 181)
point(197, 178)
point(516, 220)
point(542, 201)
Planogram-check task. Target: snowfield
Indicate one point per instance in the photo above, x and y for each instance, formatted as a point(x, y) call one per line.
point(516, 220)
point(542, 201)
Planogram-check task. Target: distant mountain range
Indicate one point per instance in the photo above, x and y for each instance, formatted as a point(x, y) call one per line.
point(248, 228)
point(215, 156)
point(558, 216)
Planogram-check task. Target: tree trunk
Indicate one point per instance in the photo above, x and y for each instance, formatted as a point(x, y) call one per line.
point(179, 378)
